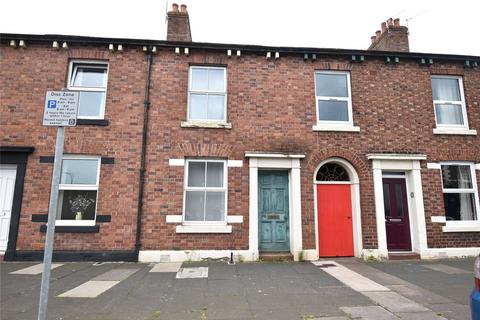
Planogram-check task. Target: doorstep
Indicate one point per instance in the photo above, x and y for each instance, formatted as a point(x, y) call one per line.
point(276, 256)
point(403, 256)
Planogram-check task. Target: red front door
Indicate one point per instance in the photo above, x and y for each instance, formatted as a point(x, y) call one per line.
point(396, 214)
point(335, 232)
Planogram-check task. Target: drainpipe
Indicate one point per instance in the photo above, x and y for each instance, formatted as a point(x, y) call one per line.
point(146, 106)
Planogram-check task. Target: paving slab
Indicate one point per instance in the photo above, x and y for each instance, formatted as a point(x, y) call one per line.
point(350, 278)
point(227, 307)
point(89, 289)
point(369, 313)
point(454, 311)
point(115, 275)
point(166, 267)
point(420, 316)
point(419, 294)
point(394, 302)
point(36, 269)
point(445, 269)
point(190, 273)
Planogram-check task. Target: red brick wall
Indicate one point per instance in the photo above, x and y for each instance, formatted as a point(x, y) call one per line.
point(24, 77)
point(271, 106)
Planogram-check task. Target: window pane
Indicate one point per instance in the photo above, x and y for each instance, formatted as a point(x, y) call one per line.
point(332, 110)
point(215, 174)
point(459, 206)
point(196, 174)
point(194, 205)
point(90, 77)
point(386, 200)
point(199, 79)
point(79, 171)
point(198, 106)
point(77, 204)
point(445, 89)
point(456, 177)
point(332, 85)
point(216, 107)
point(449, 114)
point(215, 207)
point(216, 80)
point(399, 200)
point(91, 103)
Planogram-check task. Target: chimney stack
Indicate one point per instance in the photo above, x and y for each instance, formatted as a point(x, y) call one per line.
point(391, 37)
point(178, 28)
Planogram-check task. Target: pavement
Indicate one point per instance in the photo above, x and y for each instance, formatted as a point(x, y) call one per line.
point(329, 289)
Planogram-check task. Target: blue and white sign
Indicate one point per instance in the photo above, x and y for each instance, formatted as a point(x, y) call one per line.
point(61, 108)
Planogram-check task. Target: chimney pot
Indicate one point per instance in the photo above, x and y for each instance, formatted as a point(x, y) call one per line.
point(175, 7)
point(396, 22)
point(183, 9)
point(378, 33)
point(384, 27)
point(390, 22)
point(373, 38)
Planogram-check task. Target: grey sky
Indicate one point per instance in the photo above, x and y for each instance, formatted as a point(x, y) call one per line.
point(435, 26)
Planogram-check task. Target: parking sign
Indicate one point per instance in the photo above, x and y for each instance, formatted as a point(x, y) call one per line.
point(61, 108)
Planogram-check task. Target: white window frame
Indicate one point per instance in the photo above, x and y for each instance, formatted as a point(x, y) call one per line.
point(92, 187)
point(187, 188)
point(348, 99)
point(207, 92)
point(473, 190)
point(72, 69)
point(449, 102)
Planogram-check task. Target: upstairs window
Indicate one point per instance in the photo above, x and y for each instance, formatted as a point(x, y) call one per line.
point(77, 199)
point(449, 102)
point(333, 97)
point(207, 94)
point(205, 191)
point(90, 78)
point(460, 192)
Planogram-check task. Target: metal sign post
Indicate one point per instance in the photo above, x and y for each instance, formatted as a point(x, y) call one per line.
point(60, 110)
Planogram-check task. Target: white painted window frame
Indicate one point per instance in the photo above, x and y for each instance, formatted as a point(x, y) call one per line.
point(72, 69)
point(473, 190)
point(208, 92)
point(348, 99)
point(448, 102)
point(187, 188)
point(93, 187)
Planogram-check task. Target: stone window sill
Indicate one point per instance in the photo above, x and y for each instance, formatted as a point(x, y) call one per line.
point(342, 128)
point(204, 229)
point(206, 124)
point(450, 131)
point(475, 227)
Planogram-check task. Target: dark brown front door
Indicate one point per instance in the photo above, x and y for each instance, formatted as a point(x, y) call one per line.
point(396, 214)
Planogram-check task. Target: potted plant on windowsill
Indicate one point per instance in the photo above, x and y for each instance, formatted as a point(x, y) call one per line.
point(79, 206)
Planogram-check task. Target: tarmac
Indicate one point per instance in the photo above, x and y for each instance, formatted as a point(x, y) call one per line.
point(329, 289)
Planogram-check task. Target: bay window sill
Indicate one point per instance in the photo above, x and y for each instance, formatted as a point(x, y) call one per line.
point(206, 124)
point(461, 228)
point(342, 128)
point(203, 229)
point(454, 131)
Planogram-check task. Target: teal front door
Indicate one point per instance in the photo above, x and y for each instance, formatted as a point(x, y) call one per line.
point(273, 211)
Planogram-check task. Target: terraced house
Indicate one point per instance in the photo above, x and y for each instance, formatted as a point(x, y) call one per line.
point(187, 150)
